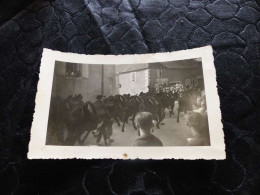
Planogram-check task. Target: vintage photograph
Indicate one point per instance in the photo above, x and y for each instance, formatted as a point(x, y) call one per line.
point(157, 106)
point(151, 104)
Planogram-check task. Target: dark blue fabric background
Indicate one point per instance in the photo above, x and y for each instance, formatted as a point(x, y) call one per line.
point(232, 27)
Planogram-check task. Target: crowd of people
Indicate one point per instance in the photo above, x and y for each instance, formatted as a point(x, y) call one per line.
point(196, 119)
point(146, 110)
point(169, 87)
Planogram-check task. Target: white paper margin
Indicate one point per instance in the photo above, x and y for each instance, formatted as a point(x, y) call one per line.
point(38, 149)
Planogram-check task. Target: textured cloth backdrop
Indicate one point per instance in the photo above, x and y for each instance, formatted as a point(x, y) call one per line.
point(232, 27)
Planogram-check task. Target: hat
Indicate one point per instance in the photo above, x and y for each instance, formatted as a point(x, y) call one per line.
point(99, 97)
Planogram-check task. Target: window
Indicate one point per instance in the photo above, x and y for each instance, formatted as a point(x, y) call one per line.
point(73, 70)
point(159, 73)
point(133, 76)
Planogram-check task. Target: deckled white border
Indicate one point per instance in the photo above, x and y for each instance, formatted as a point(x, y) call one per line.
point(38, 149)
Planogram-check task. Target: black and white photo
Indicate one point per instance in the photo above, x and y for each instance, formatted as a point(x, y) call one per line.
point(157, 106)
point(109, 105)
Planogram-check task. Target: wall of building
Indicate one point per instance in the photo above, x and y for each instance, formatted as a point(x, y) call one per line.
point(175, 74)
point(134, 87)
point(110, 81)
point(153, 76)
point(181, 74)
point(89, 84)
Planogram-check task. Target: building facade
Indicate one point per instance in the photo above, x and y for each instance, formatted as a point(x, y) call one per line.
point(89, 80)
point(92, 80)
point(135, 78)
point(132, 78)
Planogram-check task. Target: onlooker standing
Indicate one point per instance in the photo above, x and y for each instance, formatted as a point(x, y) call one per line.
point(144, 123)
point(198, 124)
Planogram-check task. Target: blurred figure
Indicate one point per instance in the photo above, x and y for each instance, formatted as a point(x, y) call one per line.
point(144, 122)
point(151, 89)
point(203, 108)
point(198, 124)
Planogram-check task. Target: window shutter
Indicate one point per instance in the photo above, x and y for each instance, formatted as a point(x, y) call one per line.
point(60, 68)
point(85, 70)
point(158, 73)
point(133, 76)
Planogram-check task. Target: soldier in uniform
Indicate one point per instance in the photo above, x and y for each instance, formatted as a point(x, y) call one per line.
point(105, 128)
